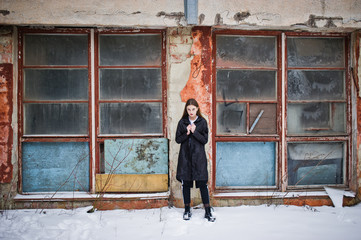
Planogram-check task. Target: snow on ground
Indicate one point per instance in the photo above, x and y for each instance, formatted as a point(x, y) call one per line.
point(244, 222)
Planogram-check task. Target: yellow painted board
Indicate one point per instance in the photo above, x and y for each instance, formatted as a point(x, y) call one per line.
point(131, 183)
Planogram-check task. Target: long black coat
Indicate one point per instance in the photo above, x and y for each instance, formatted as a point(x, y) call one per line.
point(192, 160)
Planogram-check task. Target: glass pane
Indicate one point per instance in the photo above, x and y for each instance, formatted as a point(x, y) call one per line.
point(131, 118)
point(231, 118)
point(55, 166)
point(316, 118)
point(56, 118)
point(127, 84)
point(130, 50)
point(55, 84)
point(263, 118)
point(246, 84)
point(56, 49)
point(316, 85)
point(245, 164)
point(246, 51)
point(315, 52)
point(315, 163)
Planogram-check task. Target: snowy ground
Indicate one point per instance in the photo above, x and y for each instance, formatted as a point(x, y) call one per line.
point(244, 222)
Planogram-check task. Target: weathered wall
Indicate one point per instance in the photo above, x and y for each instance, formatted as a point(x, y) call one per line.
point(189, 69)
point(246, 13)
point(189, 77)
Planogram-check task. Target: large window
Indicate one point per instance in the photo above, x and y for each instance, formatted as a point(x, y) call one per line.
point(317, 107)
point(281, 110)
point(81, 88)
point(247, 109)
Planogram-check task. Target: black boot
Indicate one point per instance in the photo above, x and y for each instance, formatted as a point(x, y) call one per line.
point(187, 213)
point(208, 215)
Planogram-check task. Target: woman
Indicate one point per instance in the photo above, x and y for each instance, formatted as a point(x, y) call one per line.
point(192, 134)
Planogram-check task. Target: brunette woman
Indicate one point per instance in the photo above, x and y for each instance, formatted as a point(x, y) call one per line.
point(192, 134)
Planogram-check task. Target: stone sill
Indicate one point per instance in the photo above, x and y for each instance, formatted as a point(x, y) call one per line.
point(276, 194)
point(80, 196)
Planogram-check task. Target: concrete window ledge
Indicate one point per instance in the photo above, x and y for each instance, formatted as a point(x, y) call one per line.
point(274, 194)
point(87, 196)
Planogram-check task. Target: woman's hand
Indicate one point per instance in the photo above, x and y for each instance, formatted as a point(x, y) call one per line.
point(189, 127)
point(193, 127)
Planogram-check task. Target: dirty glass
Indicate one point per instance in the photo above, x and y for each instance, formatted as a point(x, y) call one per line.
point(56, 118)
point(233, 85)
point(315, 163)
point(315, 52)
point(130, 50)
point(316, 118)
point(246, 51)
point(316, 85)
point(128, 84)
point(262, 118)
point(131, 118)
point(242, 164)
point(57, 49)
point(55, 84)
point(231, 118)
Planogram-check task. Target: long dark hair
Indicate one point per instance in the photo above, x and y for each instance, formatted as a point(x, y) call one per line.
point(193, 102)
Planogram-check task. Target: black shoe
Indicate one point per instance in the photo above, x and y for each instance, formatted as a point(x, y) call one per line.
point(208, 215)
point(187, 213)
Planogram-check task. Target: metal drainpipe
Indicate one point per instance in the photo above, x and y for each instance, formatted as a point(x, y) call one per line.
point(191, 11)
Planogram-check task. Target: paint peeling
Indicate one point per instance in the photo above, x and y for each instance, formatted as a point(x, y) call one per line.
point(199, 81)
point(6, 131)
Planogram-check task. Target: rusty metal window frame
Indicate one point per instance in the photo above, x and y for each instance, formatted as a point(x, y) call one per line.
point(330, 138)
point(93, 137)
point(282, 139)
point(22, 138)
point(248, 137)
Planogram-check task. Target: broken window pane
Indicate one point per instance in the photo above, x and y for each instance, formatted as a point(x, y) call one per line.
point(236, 85)
point(315, 163)
point(315, 52)
point(55, 84)
point(246, 51)
point(316, 118)
point(128, 84)
point(56, 49)
point(231, 118)
point(130, 50)
point(316, 85)
point(56, 118)
point(241, 164)
point(131, 118)
point(263, 118)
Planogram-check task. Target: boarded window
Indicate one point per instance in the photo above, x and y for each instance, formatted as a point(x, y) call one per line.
point(242, 164)
point(66, 170)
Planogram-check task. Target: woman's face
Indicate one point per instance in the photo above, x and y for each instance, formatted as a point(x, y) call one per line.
point(192, 111)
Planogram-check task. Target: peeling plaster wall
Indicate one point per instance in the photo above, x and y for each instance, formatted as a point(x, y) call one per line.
point(189, 77)
point(263, 13)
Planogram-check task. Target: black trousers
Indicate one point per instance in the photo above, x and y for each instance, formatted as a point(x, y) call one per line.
point(202, 185)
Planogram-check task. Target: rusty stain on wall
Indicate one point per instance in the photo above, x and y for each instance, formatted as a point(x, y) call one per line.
point(199, 81)
point(6, 132)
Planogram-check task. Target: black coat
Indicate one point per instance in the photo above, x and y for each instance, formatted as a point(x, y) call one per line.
point(192, 160)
